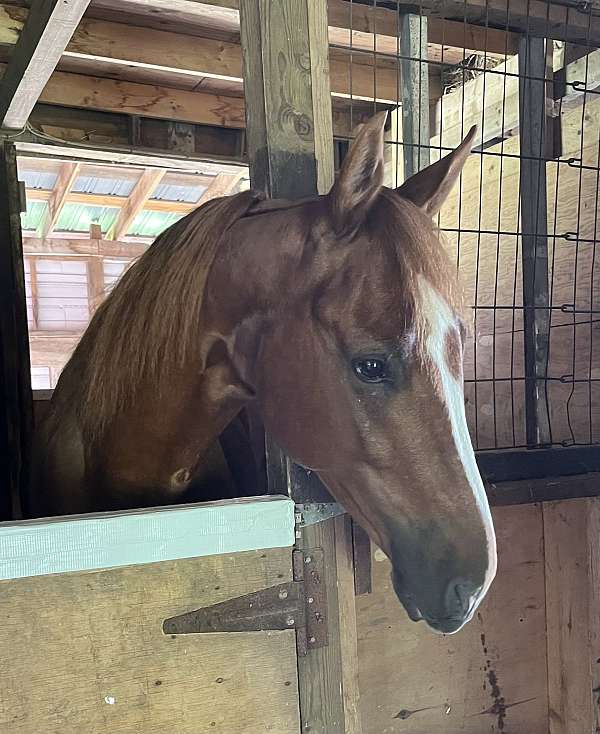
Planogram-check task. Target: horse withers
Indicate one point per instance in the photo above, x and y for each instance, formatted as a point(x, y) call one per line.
point(339, 319)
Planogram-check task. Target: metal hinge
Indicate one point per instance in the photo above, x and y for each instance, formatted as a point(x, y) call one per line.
point(300, 604)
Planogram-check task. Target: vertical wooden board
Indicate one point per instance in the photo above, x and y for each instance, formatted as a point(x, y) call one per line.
point(572, 541)
point(489, 677)
point(87, 652)
point(327, 672)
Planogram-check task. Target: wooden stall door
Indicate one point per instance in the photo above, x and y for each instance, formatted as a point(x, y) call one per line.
point(83, 649)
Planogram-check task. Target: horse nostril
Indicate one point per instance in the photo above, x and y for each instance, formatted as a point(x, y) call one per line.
point(459, 596)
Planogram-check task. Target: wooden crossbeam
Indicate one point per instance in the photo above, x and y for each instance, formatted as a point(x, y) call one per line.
point(50, 25)
point(372, 28)
point(108, 95)
point(222, 185)
point(542, 18)
point(72, 247)
point(136, 201)
point(58, 198)
point(163, 51)
point(117, 202)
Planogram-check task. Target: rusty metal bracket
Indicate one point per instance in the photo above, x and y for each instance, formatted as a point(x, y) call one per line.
point(300, 604)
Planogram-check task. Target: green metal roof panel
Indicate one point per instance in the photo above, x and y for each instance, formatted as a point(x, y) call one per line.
point(151, 224)
point(78, 217)
point(32, 218)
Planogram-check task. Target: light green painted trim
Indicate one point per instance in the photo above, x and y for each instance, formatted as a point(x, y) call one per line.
point(110, 539)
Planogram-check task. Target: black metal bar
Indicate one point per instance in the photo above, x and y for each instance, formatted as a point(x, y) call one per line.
point(534, 253)
point(512, 465)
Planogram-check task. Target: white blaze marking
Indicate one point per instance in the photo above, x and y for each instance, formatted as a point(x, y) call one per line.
point(441, 320)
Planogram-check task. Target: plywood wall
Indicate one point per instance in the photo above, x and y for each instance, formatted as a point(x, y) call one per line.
point(528, 661)
point(489, 677)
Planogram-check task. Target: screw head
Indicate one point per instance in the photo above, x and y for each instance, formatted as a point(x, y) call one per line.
point(283, 594)
point(290, 621)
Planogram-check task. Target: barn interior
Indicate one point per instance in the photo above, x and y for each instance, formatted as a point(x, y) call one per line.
point(118, 118)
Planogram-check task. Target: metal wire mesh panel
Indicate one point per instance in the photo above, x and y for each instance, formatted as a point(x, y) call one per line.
point(522, 225)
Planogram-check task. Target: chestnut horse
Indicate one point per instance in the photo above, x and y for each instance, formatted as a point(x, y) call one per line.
point(340, 318)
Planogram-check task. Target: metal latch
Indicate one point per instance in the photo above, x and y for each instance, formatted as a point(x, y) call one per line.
point(300, 604)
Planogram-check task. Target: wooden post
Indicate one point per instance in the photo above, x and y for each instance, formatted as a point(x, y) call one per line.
point(572, 557)
point(95, 284)
point(290, 147)
point(534, 226)
point(16, 416)
point(415, 92)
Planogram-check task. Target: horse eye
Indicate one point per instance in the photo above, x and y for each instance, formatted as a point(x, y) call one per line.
point(371, 369)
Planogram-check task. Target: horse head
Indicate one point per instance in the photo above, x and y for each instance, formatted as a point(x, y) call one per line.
point(347, 328)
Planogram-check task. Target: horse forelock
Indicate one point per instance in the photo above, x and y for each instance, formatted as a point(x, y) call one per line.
point(149, 324)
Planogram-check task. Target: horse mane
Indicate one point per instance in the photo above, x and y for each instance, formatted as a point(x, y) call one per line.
point(148, 325)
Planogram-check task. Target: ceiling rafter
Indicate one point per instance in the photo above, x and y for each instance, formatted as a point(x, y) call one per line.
point(40, 44)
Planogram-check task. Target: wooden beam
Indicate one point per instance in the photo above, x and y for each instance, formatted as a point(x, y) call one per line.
point(58, 198)
point(136, 201)
point(112, 43)
point(64, 247)
point(222, 185)
point(95, 283)
point(542, 18)
point(50, 24)
point(415, 93)
point(534, 251)
point(376, 27)
point(117, 202)
point(93, 93)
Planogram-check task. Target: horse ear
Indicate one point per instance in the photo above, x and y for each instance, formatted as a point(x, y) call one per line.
point(361, 177)
point(429, 188)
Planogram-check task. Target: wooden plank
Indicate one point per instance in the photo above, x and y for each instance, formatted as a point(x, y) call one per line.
point(116, 43)
point(88, 653)
point(94, 93)
point(16, 415)
point(346, 618)
point(44, 37)
point(491, 677)
point(534, 257)
point(143, 189)
point(113, 539)
point(415, 93)
point(361, 552)
point(52, 349)
point(571, 543)
point(373, 26)
point(58, 198)
point(82, 247)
